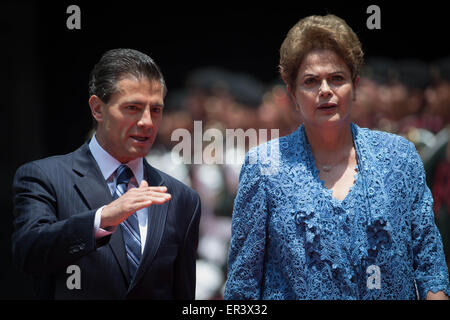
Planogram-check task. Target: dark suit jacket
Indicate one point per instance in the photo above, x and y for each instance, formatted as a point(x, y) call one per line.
point(55, 200)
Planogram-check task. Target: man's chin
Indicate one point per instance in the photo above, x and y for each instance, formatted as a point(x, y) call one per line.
point(139, 152)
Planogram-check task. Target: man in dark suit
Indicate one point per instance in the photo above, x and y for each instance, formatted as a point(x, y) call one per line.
point(100, 222)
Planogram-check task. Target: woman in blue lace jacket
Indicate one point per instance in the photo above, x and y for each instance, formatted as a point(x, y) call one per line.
point(332, 211)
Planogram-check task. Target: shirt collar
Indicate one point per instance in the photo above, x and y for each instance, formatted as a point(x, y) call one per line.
point(108, 164)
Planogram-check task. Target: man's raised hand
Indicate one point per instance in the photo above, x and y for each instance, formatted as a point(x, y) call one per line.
point(131, 201)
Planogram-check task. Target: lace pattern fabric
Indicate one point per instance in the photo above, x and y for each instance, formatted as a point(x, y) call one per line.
point(292, 240)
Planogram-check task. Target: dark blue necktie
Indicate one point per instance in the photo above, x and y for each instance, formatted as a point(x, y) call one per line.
point(130, 227)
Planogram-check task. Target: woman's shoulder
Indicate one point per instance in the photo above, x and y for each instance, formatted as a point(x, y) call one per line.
point(275, 148)
point(387, 150)
point(383, 141)
point(273, 157)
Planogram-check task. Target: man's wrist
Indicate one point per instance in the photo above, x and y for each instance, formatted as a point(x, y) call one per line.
point(98, 230)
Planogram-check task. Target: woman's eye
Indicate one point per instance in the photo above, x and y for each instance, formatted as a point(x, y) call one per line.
point(310, 81)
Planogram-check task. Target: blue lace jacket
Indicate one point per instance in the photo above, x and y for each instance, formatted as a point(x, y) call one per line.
point(292, 240)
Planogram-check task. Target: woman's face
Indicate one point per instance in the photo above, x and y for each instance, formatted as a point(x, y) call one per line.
point(324, 90)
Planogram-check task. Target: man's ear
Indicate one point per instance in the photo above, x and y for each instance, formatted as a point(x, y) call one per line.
point(97, 107)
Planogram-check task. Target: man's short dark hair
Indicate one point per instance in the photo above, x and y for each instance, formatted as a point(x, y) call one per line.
point(117, 64)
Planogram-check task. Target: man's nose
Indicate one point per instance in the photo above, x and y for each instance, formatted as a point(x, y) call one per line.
point(146, 119)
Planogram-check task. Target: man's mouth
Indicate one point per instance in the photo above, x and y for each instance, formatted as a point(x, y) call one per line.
point(140, 138)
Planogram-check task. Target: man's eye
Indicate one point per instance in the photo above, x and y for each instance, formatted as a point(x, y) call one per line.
point(337, 78)
point(132, 108)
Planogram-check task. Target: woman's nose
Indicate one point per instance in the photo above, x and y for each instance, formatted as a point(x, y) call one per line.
point(325, 89)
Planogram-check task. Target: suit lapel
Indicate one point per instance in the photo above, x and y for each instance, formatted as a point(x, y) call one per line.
point(89, 180)
point(118, 248)
point(155, 226)
point(94, 191)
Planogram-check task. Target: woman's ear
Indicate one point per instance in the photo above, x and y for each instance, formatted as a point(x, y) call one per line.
point(292, 96)
point(355, 86)
point(96, 105)
point(289, 89)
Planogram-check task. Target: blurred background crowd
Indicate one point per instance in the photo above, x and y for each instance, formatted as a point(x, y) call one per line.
point(406, 97)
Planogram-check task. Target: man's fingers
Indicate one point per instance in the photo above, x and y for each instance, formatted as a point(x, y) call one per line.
point(152, 193)
point(133, 200)
point(140, 205)
point(161, 199)
point(138, 198)
point(148, 201)
point(158, 189)
point(143, 184)
point(154, 198)
point(148, 198)
point(136, 194)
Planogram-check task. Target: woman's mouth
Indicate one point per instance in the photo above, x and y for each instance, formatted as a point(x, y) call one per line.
point(327, 106)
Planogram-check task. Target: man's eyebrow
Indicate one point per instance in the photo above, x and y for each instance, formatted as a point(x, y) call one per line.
point(157, 104)
point(133, 102)
point(138, 102)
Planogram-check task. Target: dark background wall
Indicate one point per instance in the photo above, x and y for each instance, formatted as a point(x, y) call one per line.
point(45, 66)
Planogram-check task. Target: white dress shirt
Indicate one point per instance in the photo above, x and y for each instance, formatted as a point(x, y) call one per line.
point(108, 166)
